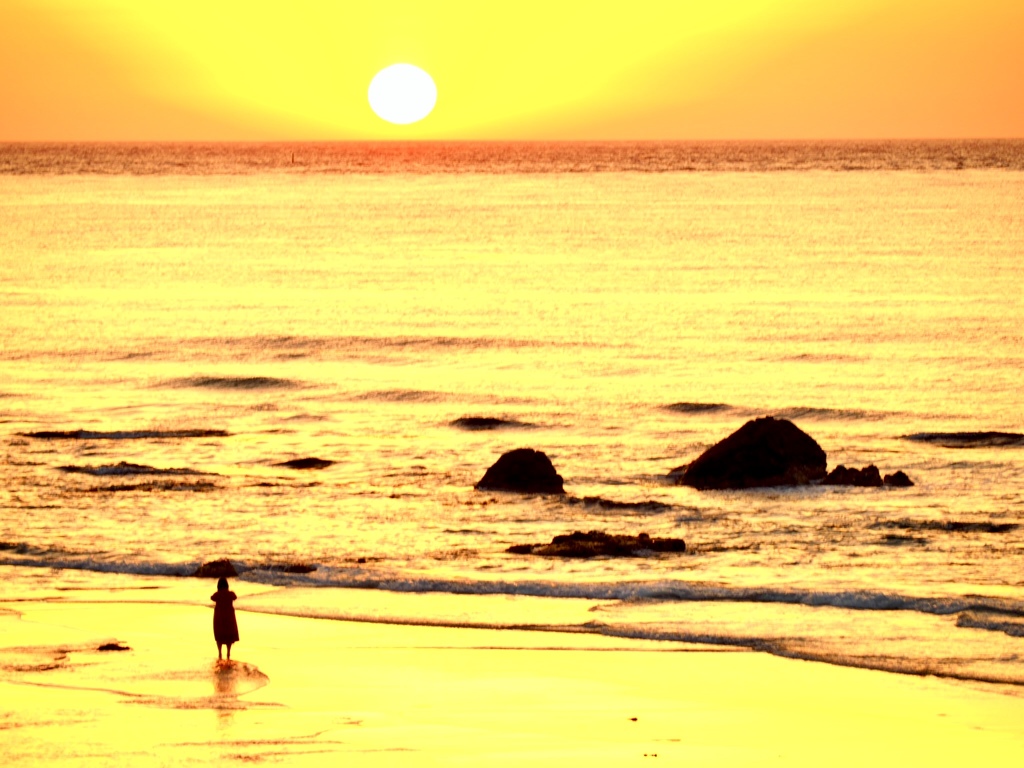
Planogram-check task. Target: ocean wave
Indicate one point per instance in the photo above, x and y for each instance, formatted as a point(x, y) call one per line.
point(140, 434)
point(196, 486)
point(951, 526)
point(124, 468)
point(404, 396)
point(968, 439)
point(696, 407)
point(610, 504)
point(994, 622)
point(357, 577)
point(504, 158)
point(842, 414)
point(233, 382)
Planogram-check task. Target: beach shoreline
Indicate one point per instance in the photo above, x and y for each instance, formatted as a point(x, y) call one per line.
point(304, 689)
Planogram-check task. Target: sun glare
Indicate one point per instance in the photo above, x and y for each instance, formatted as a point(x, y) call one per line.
point(402, 94)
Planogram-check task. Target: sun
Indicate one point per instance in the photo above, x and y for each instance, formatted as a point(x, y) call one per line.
point(402, 94)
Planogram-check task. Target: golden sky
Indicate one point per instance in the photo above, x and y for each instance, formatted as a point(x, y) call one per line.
point(530, 69)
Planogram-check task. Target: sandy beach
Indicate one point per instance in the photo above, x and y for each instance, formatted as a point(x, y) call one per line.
point(302, 691)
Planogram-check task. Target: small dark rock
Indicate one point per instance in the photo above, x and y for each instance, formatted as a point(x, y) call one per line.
point(764, 452)
point(522, 549)
point(307, 463)
point(868, 477)
point(599, 543)
point(898, 479)
point(523, 470)
point(113, 647)
point(480, 423)
point(215, 569)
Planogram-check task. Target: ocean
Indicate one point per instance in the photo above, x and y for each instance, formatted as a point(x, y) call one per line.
point(178, 320)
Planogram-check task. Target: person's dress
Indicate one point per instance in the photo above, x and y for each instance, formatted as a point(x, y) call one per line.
point(225, 628)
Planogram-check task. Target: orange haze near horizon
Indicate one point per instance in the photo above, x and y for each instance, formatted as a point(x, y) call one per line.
point(119, 70)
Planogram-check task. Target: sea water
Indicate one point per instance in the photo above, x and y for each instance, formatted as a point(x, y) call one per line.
point(191, 316)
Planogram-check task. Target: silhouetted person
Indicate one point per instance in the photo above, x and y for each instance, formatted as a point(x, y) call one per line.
point(225, 628)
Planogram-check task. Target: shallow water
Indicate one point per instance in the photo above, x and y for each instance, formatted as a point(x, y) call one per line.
point(205, 322)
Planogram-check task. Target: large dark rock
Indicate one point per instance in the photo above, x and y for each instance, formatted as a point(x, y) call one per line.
point(523, 470)
point(598, 543)
point(762, 453)
point(215, 569)
point(869, 477)
point(898, 479)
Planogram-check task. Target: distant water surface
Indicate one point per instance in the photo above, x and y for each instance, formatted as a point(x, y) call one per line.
point(181, 319)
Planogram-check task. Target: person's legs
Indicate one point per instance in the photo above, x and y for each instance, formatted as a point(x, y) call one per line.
point(220, 651)
point(229, 651)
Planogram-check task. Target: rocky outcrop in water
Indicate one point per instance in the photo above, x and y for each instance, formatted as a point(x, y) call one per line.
point(310, 462)
point(869, 477)
point(898, 479)
point(215, 569)
point(523, 470)
point(599, 543)
point(764, 452)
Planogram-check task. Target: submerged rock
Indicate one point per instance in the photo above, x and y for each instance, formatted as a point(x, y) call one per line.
point(308, 463)
point(523, 470)
point(762, 453)
point(215, 569)
point(599, 543)
point(898, 479)
point(869, 477)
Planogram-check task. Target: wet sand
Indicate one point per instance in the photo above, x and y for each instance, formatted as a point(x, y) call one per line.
point(310, 691)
